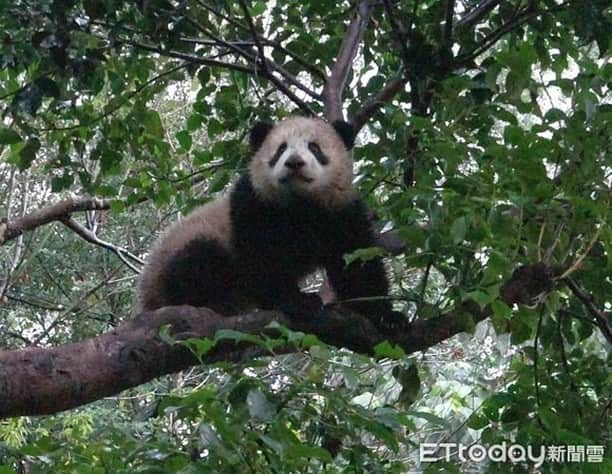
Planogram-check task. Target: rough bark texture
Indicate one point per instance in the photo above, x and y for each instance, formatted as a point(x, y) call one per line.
point(37, 381)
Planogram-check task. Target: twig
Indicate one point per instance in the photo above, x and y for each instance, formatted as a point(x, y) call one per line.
point(536, 340)
point(89, 236)
point(601, 318)
point(518, 20)
point(75, 305)
point(475, 14)
point(192, 58)
point(373, 104)
point(264, 67)
point(564, 358)
point(539, 247)
point(11, 229)
point(448, 22)
point(249, 18)
point(401, 36)
point(577, 263)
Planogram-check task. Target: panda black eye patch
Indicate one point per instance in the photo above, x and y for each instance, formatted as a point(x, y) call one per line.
point(281, 149)
point(318, 153)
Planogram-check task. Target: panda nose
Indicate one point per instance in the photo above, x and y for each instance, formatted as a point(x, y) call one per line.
point(294, 162)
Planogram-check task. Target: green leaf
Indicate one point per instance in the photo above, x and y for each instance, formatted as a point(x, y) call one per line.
point(8, 136)
point(364, 255)
point(477, 421)
point(184, 139)
point(308, 451)
point(59, 183)
point(459, 229)
point(501, 309)
point(153, 124)
point(194, 121)
point(430, 417)
point(199, 346)
point(385, 349)
point(28, 153)
point(409, 379)
point(259, 406)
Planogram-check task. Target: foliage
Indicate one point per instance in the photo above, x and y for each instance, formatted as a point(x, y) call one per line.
point(496, 153)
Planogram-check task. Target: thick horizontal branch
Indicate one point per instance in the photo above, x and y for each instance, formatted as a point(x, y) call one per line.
point(36, 381)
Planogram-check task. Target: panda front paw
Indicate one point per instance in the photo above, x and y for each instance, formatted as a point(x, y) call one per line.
point(391, 322)
point(308, 306)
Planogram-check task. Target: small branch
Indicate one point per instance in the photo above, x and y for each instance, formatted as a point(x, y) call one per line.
point(536, 381)
point(518, 20)
point(448, 23)
point(476, 14)
point(90, 236)
point(260, 68)
point(76, 306)
point(563, 355)
point(314, 70)
point(401, 35)
point(265, 41)
point(602, 319)
point(192, 58)
point(580, 259)
point(229, 19)
point(249, 18)
point(13, 228)
point(334, 87)
point(374, 104)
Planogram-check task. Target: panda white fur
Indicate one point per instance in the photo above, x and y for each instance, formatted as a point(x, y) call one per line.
point(294, 211)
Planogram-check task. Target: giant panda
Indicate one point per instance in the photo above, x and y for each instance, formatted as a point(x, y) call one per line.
point(293, 211)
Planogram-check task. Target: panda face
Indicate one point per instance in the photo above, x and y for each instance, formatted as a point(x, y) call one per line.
point(305, 157)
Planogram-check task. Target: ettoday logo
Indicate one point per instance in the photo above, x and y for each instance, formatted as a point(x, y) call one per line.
point(514, 453)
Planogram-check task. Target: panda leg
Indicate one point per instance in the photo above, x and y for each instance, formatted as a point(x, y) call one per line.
point(283, 293)
point(201, 274)
point(366, 280)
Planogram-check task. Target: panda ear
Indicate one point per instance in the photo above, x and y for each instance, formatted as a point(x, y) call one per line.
point(346, 132)
point(259, 132)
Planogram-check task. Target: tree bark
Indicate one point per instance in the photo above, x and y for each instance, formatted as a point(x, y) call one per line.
point(38, 381)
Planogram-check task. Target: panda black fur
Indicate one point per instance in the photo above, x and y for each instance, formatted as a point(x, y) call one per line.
point(294, 211)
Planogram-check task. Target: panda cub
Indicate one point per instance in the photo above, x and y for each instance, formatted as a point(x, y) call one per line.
point(294, 211)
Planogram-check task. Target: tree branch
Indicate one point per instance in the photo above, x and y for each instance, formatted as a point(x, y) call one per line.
point(373, 104)
point(56, 212)
point(334, 87)
point(518, 20)
point(124, 255)
point(192, 58)
point(61, 212)
point(475, 14)
point(401, 35)
point(264, 67)
point(448, 23)
point(36, 381)
point(602, 320)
